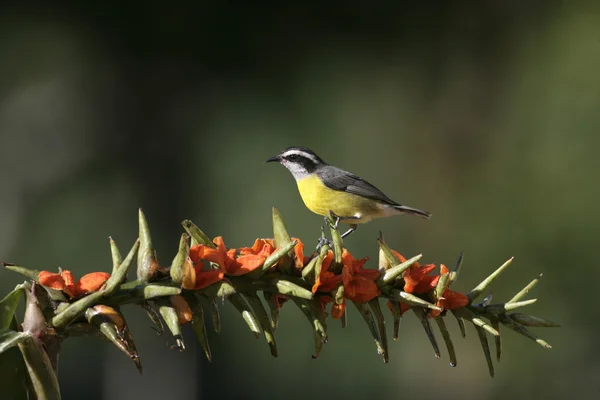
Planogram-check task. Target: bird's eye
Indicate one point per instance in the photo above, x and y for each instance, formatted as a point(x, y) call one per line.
point(293, 157)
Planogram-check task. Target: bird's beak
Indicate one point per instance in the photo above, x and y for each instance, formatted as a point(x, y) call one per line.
point(277, 158)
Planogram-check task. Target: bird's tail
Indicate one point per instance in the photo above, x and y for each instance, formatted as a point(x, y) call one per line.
point(414, 211)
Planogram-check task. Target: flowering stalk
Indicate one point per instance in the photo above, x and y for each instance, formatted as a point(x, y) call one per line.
point(204, 270)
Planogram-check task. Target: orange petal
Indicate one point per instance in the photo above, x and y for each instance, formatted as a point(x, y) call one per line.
point(189, 275)
point(195, 252)
point(443, 269)
point(255, 249)
point(298, 253)
point(184, 312)
point(361, 289)
point(245, 264)
point(347, 258)
point(51, 280)
point(400, 256)
point(327, 261)
point(68, 277)
point(337, 310)
point(455, 300)
point(202, 252)
point(206, 278)
point(371, 274)
point(90, 283)
point(329, 281)
point(218, 241)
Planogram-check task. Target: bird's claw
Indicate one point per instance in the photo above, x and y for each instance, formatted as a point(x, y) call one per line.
point(324, 241)
point(328, 221)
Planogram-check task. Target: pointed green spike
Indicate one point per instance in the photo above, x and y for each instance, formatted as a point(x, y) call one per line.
point(420, 313)
point(263, 320)
point(370, 321)
point(215, 316)
point(42, 378)
point(26, 272)
point(147, 263)
point(477, 290)
point(290, 289)
point(282, 238)
point(383, 261)
point(497, 339)
point(526, 289)
point(154, 317)
point(412, 300)
point(198, 325)
point(441, 286)
point(376, 308)
point(397, 315)
point(461, 324)
point(210, 304)
point(501, 308)
point(387, 252)
point(117, 278)
point(319, 312)
point(515, 326)
point(530, 320)
point(467, 314)
point(119, 336)
point(271, 300)
point(392, 273)
point(196, 234)
point(486, 349)
point(178, 267)
point(117, 259)
point(318, 345)
point(240, 303)
point(457, 268)
point(309, 270)
point(307, 310)
point(8, 305)
point(169, 315)
point(446, 335)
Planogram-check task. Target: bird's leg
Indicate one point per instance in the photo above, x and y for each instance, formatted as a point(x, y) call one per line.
point(353, 227)
point(333, 215)
point(324, 241)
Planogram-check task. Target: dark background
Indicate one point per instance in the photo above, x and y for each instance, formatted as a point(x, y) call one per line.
point(484, 113)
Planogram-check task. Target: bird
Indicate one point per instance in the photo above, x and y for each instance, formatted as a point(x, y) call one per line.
point(326, 189)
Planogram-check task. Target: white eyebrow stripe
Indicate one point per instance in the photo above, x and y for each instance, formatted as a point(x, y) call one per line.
point(302, 154)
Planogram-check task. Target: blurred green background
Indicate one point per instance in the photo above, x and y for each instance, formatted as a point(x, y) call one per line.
point(487, 115)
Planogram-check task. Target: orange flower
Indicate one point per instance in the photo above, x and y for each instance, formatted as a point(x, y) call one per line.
point(359, 283)
point(250, 258)
point(65, 282)
point(327, 280)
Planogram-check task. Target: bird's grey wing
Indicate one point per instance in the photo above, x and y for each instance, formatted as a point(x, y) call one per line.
point(338, 179)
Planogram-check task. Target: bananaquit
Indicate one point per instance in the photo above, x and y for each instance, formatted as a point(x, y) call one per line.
point(326, 188)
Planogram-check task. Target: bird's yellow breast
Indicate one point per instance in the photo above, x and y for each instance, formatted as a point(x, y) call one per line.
point(320, 199)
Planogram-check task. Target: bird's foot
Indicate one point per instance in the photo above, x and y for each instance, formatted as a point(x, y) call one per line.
point(322, 242)
point(328, 221)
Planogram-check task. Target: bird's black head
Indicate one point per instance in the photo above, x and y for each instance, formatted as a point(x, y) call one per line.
point(301, 161)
